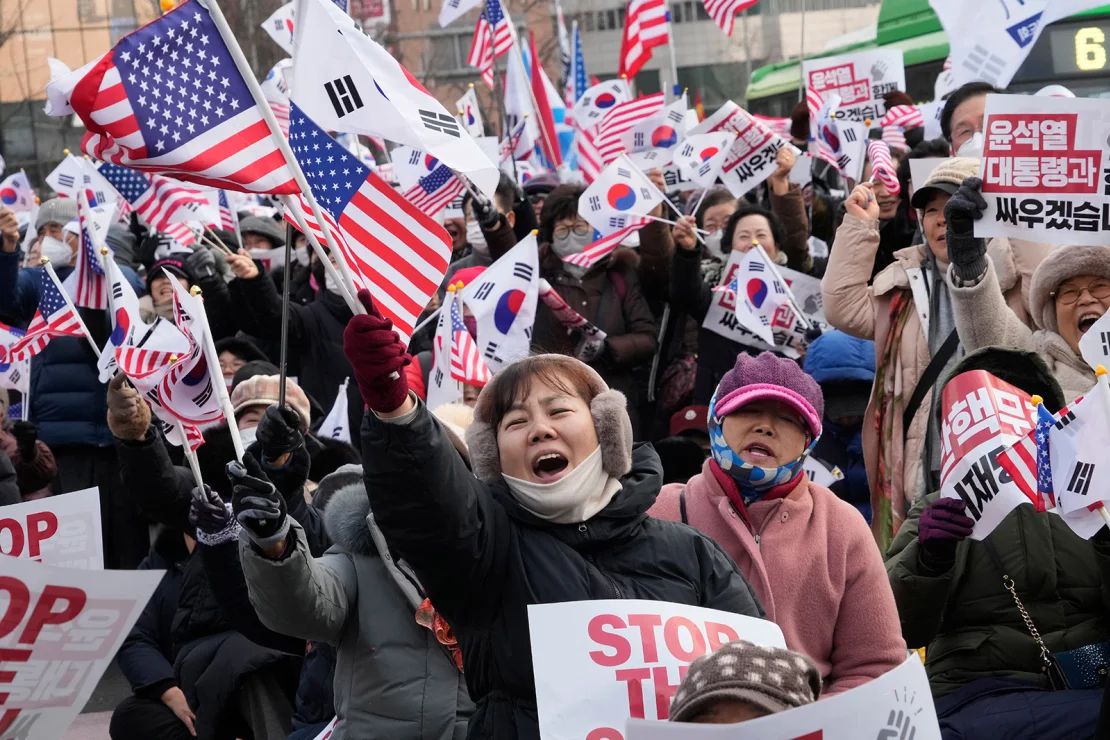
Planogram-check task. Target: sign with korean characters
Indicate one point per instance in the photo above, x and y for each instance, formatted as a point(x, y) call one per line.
point(597, 663)
point(860, 79)
point(1046, 169)
point(57, 530)
point(981, 417)
point(751, 160)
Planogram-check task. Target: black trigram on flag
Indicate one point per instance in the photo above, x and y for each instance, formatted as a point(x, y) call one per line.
point(1080, 481)
point(343, 95)
point(617, 222)
point(1105, 337)
point(117, 291)
point(756, 267)
point(849, 134)
point(66, 181)
point(202, 398)
point(522, 270)
point(491, 350)
point(439, 122)
point(439, 377)
point(622, 172)
point(483, 291)
point(1064, 420)
point(638, 139)
point(595, 203)
point(414, 157)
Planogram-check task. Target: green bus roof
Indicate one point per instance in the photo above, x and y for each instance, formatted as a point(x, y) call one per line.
point(909, 25)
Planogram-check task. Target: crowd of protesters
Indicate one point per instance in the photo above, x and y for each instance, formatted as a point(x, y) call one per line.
point(385, 582)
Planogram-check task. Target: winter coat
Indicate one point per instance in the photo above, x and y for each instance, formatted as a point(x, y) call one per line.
point(146, 656)
point(814, 566)
point(315, 338)
point(34, 477)
point(67, 398)
point(9, 484)
point(610, 297)
point(896, 298)
point(392, 678)
point(983, 319)
point(790, 210)
point(967, 620)
point(483, 558)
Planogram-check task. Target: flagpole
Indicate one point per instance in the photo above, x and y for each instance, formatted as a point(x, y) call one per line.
point(190, 453)
point(292, 207)
point(209, 349)
point(25, 397)
point(427, 320)
point(789, 293)
point(801, 57)
point(674, 62)
point(1101, 374)
point(45, 261)
point(283, 348)
point(275, 133)
point(499, 93)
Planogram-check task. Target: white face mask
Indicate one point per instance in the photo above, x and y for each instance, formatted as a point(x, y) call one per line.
point(248, 436)
point(57, 251)
point(713, 242)
point(973, 147)
point(330, 283)
point(575, 497)
point(300, 255)
point(476, 238)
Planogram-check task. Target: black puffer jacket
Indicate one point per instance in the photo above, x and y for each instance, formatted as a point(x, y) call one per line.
point(483, 559)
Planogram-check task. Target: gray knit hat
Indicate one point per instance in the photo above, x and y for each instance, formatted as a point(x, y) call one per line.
point(772, 678)
point(266, 227)
point(56, 211)
point(1061, 264)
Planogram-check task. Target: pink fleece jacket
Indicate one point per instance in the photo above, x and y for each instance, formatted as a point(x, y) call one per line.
point(814, 567)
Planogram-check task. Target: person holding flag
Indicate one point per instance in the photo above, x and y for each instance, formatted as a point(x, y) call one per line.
point(1004, 618)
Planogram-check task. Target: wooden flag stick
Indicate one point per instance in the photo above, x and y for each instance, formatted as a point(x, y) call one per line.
point(190, 454)
point(283, 348)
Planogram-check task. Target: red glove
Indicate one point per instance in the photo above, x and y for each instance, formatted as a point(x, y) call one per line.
point(377, 356)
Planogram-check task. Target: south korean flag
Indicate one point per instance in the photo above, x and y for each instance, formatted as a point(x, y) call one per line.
point(620, 195)
point(14, 374)
point(1077, 449)
point(701, 156)
point(599, 100)
point(651, 143)
point(503, 302)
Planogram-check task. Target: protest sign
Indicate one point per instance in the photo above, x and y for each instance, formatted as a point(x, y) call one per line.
point(822, 473)
point(788, 330)
point(59, 630)
point(1046, 169)
point(751, 160)
point(1094, 345)
point(861, 80)
point(981, 417)
point(895, 706)
point(62, 531)
point(597, 663)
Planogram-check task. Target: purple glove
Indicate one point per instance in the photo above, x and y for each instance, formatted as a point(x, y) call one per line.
point(941, 527)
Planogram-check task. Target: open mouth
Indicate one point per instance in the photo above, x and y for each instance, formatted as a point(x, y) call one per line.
point(1086, 320)
point(757, 453)
point(549, 467)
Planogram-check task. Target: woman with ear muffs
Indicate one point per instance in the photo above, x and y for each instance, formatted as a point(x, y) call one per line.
point(555, 510)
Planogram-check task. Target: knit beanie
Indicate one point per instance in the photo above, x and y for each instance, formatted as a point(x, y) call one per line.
point(770, 377)
point(56, 211)
point(1060, 265)
point(774, 679)
point(262, 390)
point(266, 227)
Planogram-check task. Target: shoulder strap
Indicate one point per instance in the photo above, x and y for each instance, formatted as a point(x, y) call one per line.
point(682, 506)
point(928, 379)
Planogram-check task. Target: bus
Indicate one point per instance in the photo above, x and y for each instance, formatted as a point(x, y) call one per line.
point(1071, 52)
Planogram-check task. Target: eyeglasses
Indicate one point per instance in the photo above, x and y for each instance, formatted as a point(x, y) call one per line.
point(1099, 289)
point(581, 228)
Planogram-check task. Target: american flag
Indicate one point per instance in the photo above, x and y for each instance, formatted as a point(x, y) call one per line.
point(275, 88)
point(467, 364)
point(602, 145)
point(156, 199)
point(55, 317)
point(168, 98)
point(493, 36)
point(435, 190)
point(904, 117)
point(723, 12)
point(229, 219)
point(603, 246)
point(577, 80)
point(1028, 461)
point(390, 246)
point(882, 166)
point(820, 116)
point(90, 289)
point(645, 27)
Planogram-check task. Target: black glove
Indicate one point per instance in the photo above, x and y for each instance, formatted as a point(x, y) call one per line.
point(966, 253)
point(26, 435)
point(201, 263)
point(279, 432)
point(590, 348)
point(211, 518)
point(484, 212)
point(258, 506)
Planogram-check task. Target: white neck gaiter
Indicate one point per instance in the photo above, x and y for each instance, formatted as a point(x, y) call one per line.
point(575, 497)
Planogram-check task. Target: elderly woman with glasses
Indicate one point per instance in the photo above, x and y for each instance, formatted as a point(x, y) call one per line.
point(607, 293)
point(1069, 292)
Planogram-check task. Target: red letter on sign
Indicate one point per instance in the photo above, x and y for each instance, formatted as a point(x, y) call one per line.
point(605, 733)
point(16, 531)
point(40, 526)
point(635, 678)
point(664, 689)
point(719, 634)
point(10, 655)
point(622, 651)
point(647, 623)
point(44, 614)
point(19, 598)
point(670, 634)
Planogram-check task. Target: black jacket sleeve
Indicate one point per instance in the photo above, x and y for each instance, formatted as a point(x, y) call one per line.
point(161, 490)
point(440, 518)
point(689, 293)
point(145, 658)
point(9, 484)
point(217, 305)
point(260, 310)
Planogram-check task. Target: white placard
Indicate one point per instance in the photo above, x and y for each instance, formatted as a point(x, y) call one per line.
point(597, 663)
point(752, 157)
point(1046, 169)
point(60, 628)
point(62, 531)
point(920, 169)
point(860, 79)
point(895, 706)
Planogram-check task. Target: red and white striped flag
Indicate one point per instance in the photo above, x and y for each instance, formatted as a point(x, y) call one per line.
point(882, 166)
point(168, 98)
point(157, 199)
point(604, 246)
point(723, 12)
point(493, 36)
point(645, 27)
point(389, 246)
point(904, 117)
point(603, 144)
point(275, 88)
point(55, 317)
point(89, 283)
point(435, 191)
point(467, 364)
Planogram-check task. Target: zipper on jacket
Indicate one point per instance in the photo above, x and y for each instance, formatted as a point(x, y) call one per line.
point(583, 529)
point(757, 536)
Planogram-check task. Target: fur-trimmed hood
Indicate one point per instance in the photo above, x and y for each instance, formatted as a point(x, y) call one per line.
point(346, 516)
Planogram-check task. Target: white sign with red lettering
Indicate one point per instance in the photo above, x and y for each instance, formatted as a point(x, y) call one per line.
point(982, 416)
point(860, 79)
point(1046, 169)
point(597, 663)
point(895, 706)
point(60, 628)
point(751, 160)
point(58, 530)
